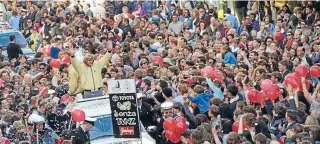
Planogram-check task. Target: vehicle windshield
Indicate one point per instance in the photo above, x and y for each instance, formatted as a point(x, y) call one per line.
point(20, 40)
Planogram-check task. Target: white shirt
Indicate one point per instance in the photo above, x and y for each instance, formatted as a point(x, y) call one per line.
point(234, 99)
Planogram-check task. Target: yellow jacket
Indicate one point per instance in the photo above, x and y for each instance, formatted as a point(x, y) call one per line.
point(90, 77)
point(35, 39)
point(74, 81)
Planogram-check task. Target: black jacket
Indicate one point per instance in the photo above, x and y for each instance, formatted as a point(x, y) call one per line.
point(46, 30)
point(13, 51)
point(310, 19)
point(293, 21)
point(81, 137)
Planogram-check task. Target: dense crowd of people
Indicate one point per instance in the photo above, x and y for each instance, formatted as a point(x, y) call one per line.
point(165, 46)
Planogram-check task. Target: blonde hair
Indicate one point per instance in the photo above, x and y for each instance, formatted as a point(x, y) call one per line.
point(134, 44)
point(88, 57)
point(125, 9)
point(311, 120)
point(183, 89)
point(196, 11)
point(8, 115)
point(296, 10)
point(18, 125)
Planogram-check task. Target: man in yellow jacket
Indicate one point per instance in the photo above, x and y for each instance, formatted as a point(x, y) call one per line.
point(90, 73)
point(74, 81)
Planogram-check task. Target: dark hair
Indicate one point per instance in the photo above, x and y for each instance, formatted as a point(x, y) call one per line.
point(232, 89)
point(200, 118)
point(147, 81)
point(228, 11)
point(38, 54)
point(246, 134)
point(226, 126)
point(284, 63)
point(114, 70)
point(163, 84)
point(62, 66)
point(12, 38)
point(225, 111)
point(19, 107)
point(292, 114)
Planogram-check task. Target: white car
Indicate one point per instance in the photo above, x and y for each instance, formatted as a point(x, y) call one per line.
point(102, 132)
point(3, 11)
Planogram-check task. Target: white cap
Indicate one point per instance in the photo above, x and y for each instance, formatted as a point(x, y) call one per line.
point(166, 105)
point(139, 95)
point(51, 91)
point(56, 100)
point(90, 120)
point(24, 10)
point(35, 118)
point(167, 60)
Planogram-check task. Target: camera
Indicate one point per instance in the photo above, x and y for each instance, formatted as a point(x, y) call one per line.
point(61, 90)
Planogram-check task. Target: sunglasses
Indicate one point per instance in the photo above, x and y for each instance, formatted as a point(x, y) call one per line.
point(167, 112)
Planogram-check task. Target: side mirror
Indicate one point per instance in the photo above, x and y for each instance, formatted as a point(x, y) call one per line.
point(31, 42)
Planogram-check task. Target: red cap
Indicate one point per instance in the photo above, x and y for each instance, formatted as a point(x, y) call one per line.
point(64, 98)
point(157, 59)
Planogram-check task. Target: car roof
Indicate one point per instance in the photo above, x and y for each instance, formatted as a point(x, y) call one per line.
point(8, 31)
point(6, 28)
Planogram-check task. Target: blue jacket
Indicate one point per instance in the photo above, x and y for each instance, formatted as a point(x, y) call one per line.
point(54, 52)
point(189, 20)
point(239, 29)
point(271, 27)
point(147, 5)
point(202, 100)
point(216, 91)
point(229, 58)
point(233, 20)
point(255, 25)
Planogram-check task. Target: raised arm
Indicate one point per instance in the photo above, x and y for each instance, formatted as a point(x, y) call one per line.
point(74, 62)
point(314, 95)
point(72, 81)
point(105, 60)
point(217, 91)
point(193, 99)
point(291, 99)
point(305, 90)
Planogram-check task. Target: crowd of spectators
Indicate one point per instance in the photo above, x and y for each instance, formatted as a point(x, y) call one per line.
point(164, 46)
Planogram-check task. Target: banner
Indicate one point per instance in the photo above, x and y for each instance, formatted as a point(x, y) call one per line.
point(123, 103)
